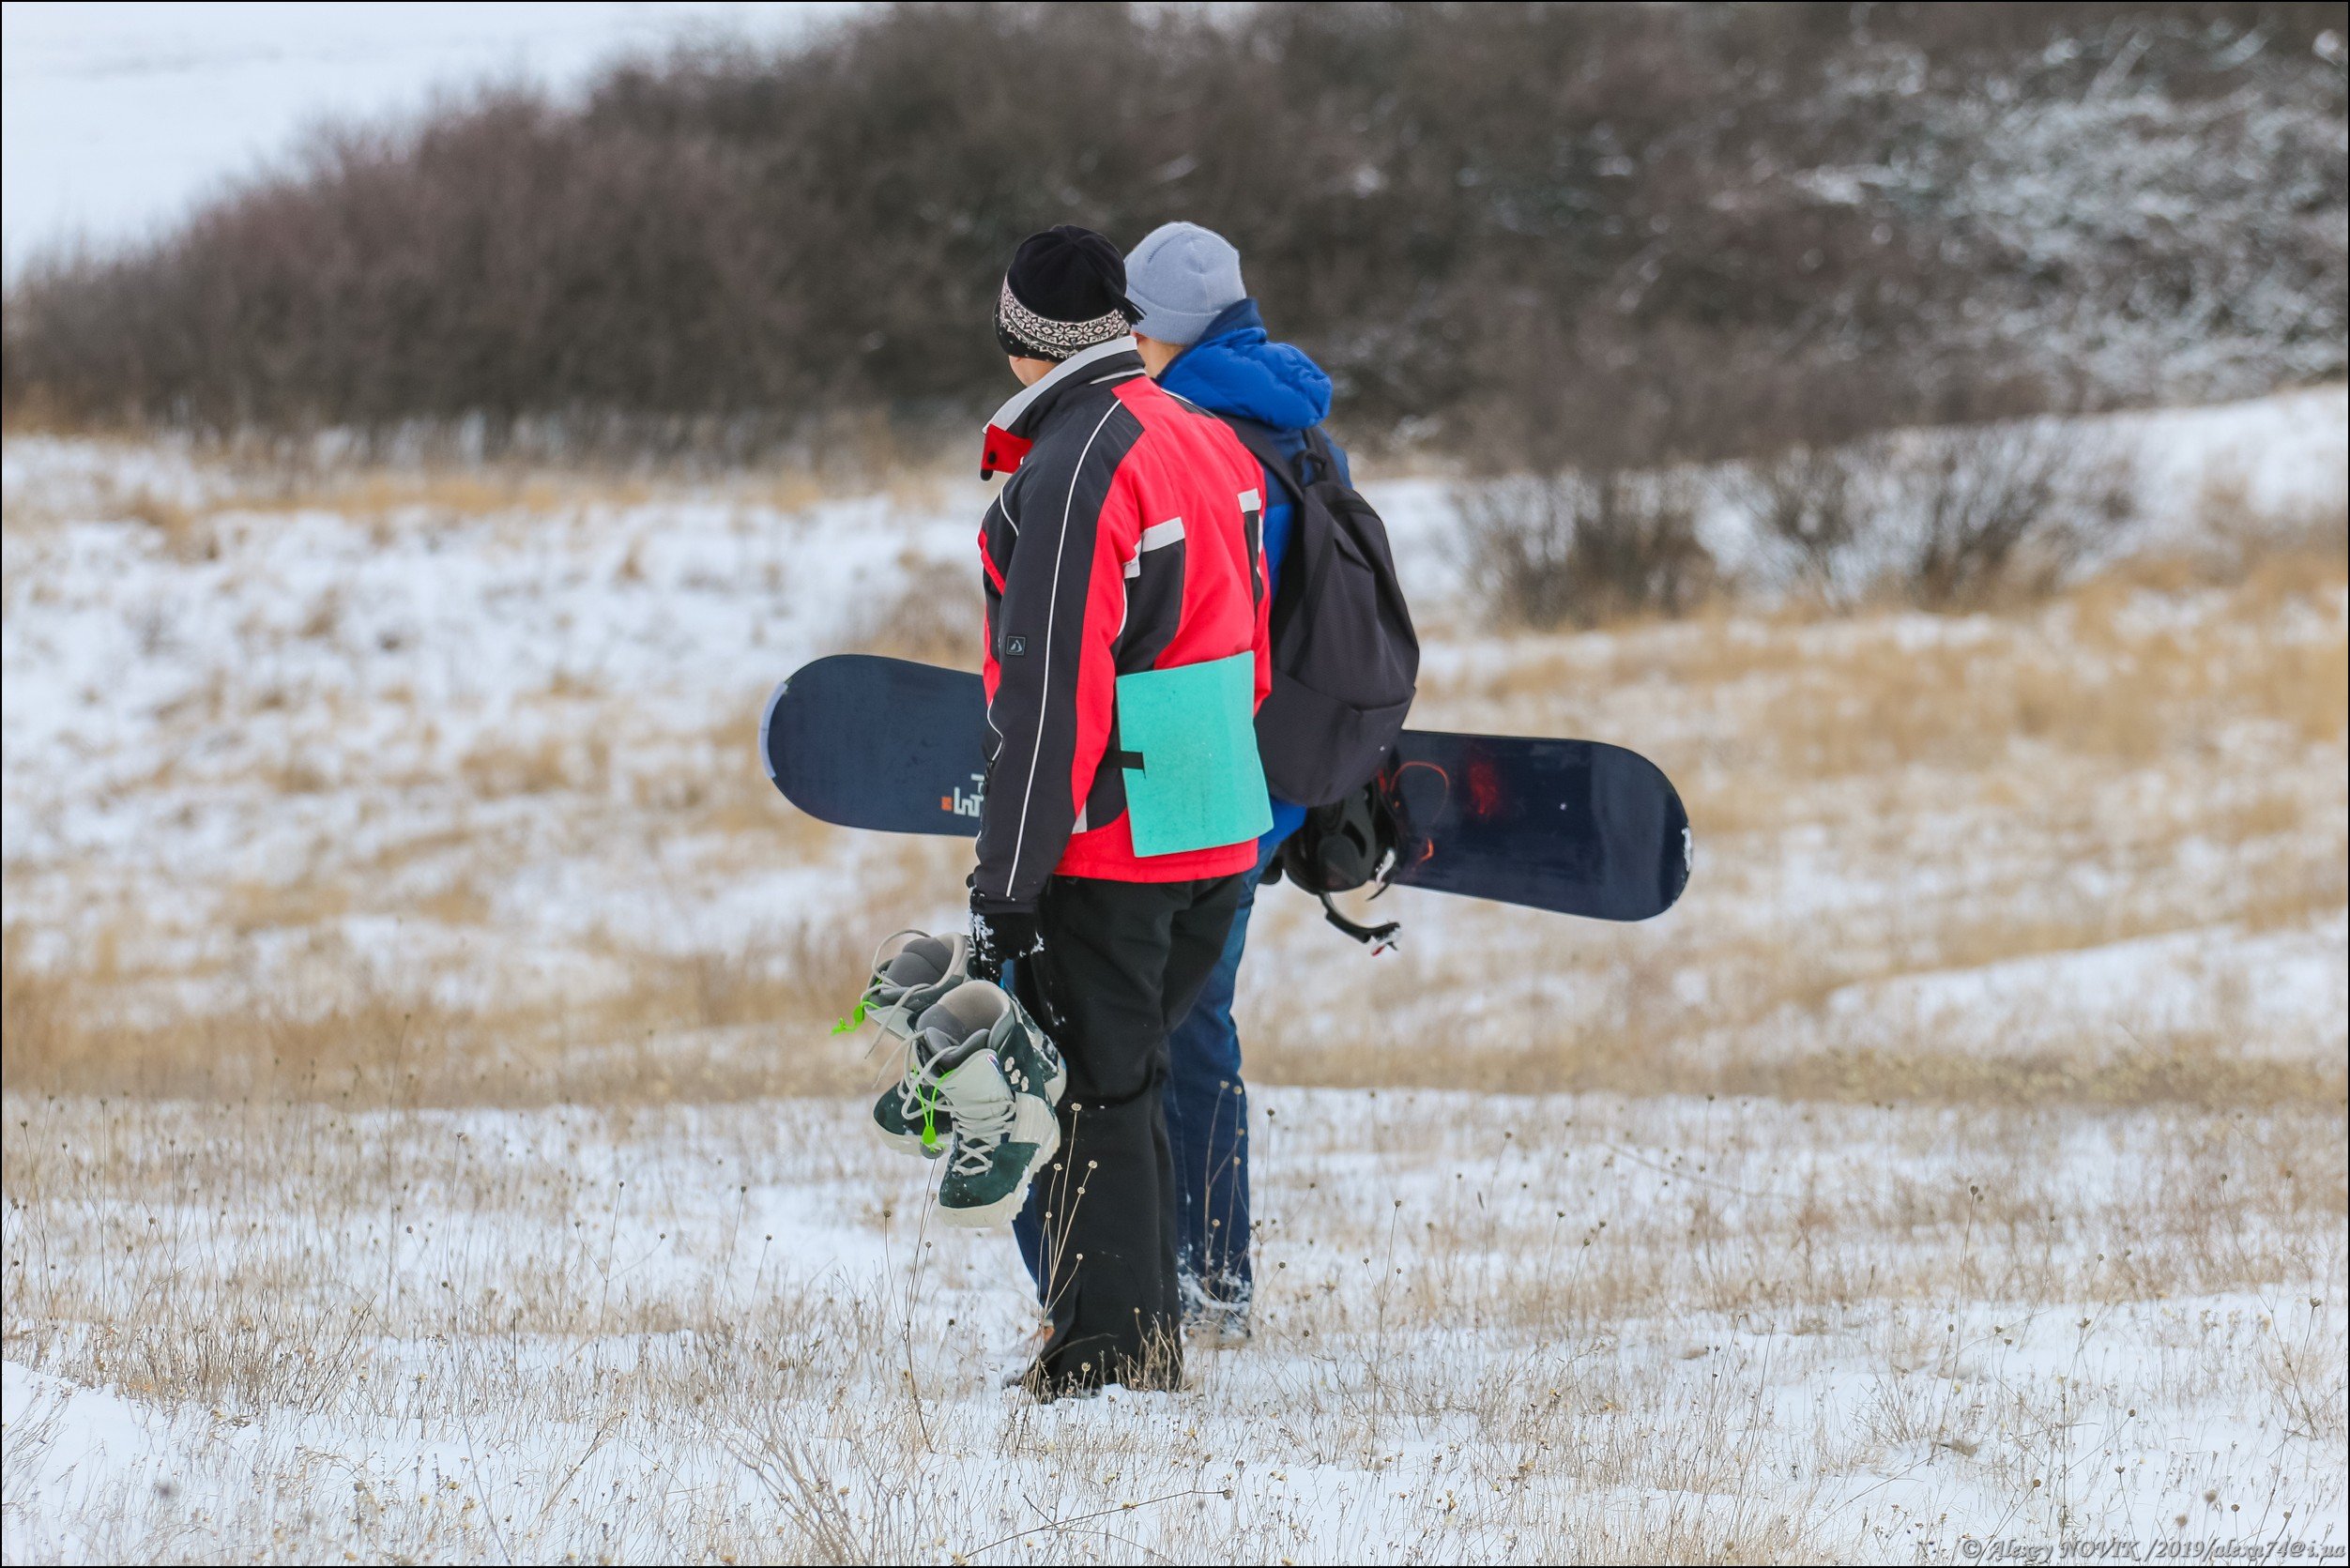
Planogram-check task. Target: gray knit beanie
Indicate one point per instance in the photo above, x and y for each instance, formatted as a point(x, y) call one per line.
point(1182, 277)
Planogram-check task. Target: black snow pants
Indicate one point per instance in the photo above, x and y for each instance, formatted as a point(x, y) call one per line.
point(1121, 964)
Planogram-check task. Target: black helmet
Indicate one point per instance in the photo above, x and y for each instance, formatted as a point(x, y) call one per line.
point(1340, 847)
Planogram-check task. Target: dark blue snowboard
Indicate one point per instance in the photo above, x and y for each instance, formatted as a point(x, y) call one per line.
point(1575, 826)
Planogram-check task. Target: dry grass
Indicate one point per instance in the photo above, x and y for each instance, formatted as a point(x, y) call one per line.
point(2200, 1072)
point(1809, 695)
point(1994, 810)
point(2052, 774)
point(181, 526)
point(742, 1024)
point(444, 493)
point(935, 618)
point(2238, 536)
point(1657, 1330)
point(185, 534)
point(268, 479)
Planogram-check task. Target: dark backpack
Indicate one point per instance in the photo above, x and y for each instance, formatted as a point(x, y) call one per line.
point(1345, 658)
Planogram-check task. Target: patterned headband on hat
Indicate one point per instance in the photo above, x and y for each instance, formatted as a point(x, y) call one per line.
point(1022, 331)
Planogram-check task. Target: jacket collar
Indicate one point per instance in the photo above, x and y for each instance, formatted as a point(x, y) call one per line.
point(1234, 369)
point(1240, 315)
point(1013, 429)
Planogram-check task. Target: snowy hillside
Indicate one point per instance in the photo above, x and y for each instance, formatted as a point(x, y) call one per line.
point(1962, 1159)
point(495, 746)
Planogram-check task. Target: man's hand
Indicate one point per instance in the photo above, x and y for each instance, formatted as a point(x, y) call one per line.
point(1000, 936)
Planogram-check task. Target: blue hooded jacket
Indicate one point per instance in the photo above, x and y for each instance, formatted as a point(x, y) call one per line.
point(1236, 369)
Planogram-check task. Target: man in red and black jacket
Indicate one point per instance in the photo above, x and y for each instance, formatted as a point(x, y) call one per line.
point(1127, 653)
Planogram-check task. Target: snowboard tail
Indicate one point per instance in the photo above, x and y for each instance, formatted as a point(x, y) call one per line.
point(883, 744)
point(1578, 827)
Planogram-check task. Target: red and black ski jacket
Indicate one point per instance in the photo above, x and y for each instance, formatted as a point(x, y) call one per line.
point(1127, 538)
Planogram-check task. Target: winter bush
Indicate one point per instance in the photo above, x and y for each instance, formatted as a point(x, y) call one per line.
point(1548, 550)
point(1943, 519)
point(1978, 514)
point(1808, 507)
point(1751, 226)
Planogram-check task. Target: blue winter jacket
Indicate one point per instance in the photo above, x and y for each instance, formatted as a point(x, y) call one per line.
point(1236, 369)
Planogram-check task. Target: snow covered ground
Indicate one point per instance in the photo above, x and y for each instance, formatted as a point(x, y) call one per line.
point(1493, 1328)
point(388, 878)
point(485, 742)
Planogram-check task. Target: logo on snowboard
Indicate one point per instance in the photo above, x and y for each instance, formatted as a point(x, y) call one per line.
point(955, 804)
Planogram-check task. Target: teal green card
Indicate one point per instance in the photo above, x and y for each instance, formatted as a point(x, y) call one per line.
point(1200, 786)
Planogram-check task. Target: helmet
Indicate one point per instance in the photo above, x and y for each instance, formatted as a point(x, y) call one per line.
point(1341, 847)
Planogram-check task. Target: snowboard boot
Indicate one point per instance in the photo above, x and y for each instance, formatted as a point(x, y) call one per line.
point(912, 1114)
point(979, 1057)
point(911, 972)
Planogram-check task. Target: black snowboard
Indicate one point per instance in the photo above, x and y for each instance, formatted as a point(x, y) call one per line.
point(1575, 826)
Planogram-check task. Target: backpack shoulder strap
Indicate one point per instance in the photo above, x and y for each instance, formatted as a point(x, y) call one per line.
point(1259, 439)
point(1318, 448)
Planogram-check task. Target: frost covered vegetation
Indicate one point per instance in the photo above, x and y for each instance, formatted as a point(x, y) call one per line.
point(1610, 235)
point(1646, 1330)
point(424, 1141)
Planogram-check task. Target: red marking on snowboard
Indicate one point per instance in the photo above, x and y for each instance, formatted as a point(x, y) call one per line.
point(1485, 789)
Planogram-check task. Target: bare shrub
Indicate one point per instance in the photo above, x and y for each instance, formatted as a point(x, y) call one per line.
point(1811, 507)
point(1946, 519)
point(1546, 550)
point(1997, 509)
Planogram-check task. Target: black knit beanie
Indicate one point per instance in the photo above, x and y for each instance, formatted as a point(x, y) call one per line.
point(1065, 293)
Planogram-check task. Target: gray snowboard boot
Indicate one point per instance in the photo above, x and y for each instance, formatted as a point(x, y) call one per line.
point(911, 970)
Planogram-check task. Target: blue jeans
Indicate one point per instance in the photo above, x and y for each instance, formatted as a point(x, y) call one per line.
point(1207, 1133)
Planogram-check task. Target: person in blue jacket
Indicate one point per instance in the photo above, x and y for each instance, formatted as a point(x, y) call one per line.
point(1203, 339)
